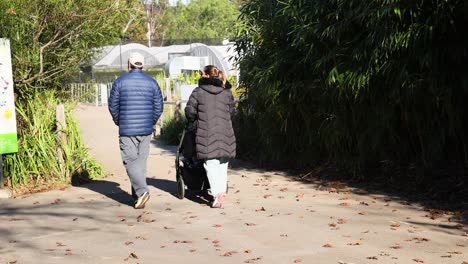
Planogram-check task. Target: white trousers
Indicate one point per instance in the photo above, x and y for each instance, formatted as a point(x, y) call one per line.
point(217, 175)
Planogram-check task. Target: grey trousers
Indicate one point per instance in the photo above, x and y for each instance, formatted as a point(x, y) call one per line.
point(135, 152)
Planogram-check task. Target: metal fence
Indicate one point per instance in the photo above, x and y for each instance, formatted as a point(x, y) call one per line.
point(90, 93)
point(97, 94)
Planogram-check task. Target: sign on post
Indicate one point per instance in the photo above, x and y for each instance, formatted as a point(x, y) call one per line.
point(8, 133)
point(185, 92)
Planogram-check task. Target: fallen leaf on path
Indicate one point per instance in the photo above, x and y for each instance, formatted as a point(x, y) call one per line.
point(343, 204)
point(12, 262)
point(418, 260)
point(364, 203)
point(341, 221)
point(297, 260)
point(16, 219)
point(217, 225)
point(253, 260)
point(229, 254)
point(182, 241)
point(166, 227)
point(60, 244)
point(455, 252)
point(142, 237)
point(283, 189)
point(128, 243)
point(397, 246)
point(267, 196)
point(434, 213)
point(250, 224)
point(356, 243)
point(192, 250)
point(260, 209)
point(362, 213)
point(247, 251)
point(420, 239)
point(131, 256)
point(56, 202)
point(300, 195)
point(373, 257)
point(327, 245)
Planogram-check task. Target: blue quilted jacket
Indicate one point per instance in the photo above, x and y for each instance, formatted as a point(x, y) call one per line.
point(135, 103)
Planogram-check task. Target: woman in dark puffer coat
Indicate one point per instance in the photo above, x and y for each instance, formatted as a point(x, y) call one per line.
point(209, 109)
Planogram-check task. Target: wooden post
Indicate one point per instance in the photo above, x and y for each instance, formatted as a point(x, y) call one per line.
point(169, 93)
point(2, 182)
point(61, 123)
point(178, 111)
point(61, 127)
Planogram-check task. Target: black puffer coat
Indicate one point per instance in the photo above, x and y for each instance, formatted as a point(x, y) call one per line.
point(210, 107)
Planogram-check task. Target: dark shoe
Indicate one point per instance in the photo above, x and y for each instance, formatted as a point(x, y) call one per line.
point(134, 196)
point(141, 201)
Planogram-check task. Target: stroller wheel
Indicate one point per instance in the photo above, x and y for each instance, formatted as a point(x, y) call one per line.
point(180, 186)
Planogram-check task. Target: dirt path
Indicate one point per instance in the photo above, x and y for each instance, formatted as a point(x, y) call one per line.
point(268, 218)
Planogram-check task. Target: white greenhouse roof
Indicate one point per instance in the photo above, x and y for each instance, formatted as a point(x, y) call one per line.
point(116, 57)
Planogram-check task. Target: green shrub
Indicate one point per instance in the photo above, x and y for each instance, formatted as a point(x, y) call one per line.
point(172, 129)
point(37, 162)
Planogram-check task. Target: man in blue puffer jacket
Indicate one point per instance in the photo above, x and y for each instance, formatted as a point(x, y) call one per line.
point(136, 103)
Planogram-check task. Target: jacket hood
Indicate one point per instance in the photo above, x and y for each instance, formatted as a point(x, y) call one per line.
point(212, 85)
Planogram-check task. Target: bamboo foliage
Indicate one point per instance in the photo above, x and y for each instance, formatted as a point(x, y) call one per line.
point(362, 83)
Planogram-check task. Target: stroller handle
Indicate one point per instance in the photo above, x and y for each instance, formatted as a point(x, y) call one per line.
point(179, 146)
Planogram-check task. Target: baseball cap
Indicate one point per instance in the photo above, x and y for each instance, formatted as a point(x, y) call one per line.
point(136, 59)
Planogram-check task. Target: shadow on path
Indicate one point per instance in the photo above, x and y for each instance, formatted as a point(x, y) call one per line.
point(170, 187)
point(109, 189)
point(113, 191)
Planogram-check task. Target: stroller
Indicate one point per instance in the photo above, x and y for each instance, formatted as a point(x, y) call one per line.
point(190, 173)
